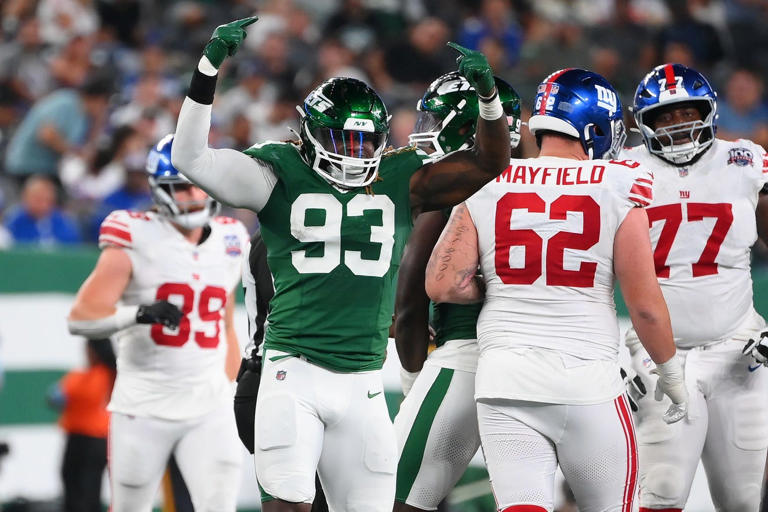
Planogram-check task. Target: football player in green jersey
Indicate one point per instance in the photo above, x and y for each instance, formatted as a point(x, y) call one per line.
point(335, 212)
point(436, 426)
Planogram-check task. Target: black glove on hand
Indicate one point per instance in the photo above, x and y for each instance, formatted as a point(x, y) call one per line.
point(635, 389)
point(161, 312)
point(245, 399)
point(758, 349)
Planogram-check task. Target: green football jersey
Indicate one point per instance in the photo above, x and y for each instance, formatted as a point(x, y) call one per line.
point(455, 321)
point(334, 258)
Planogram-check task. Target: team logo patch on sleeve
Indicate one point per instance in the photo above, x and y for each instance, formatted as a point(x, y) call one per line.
point(232, 245)
point(740, 156)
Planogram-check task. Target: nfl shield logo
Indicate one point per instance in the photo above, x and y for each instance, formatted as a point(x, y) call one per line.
point(682, 171)
point(280, 375)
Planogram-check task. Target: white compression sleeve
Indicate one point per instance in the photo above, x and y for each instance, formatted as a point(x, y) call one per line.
point(125, 316)
point(229, 176)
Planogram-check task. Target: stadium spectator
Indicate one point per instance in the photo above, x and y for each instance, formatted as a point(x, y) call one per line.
point(61, 20)
point(419, 58)
point(357, 26)
point(148, 100)
point(251, 94)
point(71, 66)
point(66, 121)
point(701, 38)
point(82, 397)
point(91, 182)
point(134, 194)
point(37, 219)
point(121, 19)
point(495, 20)
point(23, 68)
point(743, 113)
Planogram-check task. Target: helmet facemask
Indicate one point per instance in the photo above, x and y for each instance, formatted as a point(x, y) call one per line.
point(428, 133)
point(448, 114)
point(593, 132)
point(187, 214)
point(350, 157)
point(661, 141)
point(344, 127)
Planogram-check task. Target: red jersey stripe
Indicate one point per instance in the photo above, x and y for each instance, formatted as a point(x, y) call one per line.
point(115, 232)
point(642, 190)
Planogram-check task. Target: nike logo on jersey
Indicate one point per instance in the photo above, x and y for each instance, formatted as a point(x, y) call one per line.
point(753, 368)
point(371, 395)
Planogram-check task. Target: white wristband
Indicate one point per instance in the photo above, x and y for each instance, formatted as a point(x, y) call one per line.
point(125, 316)
point(205, 67)
point(491, 110)
point(407, 379)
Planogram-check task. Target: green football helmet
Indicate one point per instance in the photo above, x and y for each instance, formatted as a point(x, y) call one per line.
point(344, 128)
point(448, 114)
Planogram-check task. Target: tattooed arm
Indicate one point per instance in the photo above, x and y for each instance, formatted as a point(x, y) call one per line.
point(452, 269)
point(452, 179)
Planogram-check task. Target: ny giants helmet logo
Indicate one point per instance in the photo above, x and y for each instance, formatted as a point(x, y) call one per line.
point(606, 98)
point(232, 245)
point(740, 156)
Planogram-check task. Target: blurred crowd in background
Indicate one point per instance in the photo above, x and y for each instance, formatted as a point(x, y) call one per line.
point(87, 86)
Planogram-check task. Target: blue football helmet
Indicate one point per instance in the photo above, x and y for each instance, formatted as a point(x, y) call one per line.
point(667, 85)
point(581, 104)
point(163, 178)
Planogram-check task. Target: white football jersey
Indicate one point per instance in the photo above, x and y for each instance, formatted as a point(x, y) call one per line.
point(702, 228)
point(178, 373)
point(545, 231)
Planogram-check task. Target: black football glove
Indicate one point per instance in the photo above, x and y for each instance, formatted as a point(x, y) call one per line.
point(758, 349)
point(248, 378)
point(161, 312)
point(635, 389)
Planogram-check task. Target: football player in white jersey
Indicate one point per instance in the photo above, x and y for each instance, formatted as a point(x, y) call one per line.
point(436, 426)
point(550, 236)
point(164, 286)
point(702, 225)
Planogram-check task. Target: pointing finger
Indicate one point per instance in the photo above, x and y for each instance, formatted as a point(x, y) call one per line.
point(459, 48)
point(246, 21)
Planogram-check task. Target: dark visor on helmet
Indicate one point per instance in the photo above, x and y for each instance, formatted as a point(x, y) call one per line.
point(350, 143)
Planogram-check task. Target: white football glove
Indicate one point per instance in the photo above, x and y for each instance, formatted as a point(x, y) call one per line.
point(407, 379)
point(758, 349)
point(635, 387)
point(671, 382)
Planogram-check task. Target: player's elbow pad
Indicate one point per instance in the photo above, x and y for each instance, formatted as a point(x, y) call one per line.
point(100, 328)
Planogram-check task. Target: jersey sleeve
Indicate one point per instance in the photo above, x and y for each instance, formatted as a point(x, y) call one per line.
point(115, 230)
point(641, 190)
point(761, 166)
point(633, 182)
point(228, 176)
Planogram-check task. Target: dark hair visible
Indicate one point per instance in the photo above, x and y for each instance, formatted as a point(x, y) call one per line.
point(107, 151)
point(97, 85)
